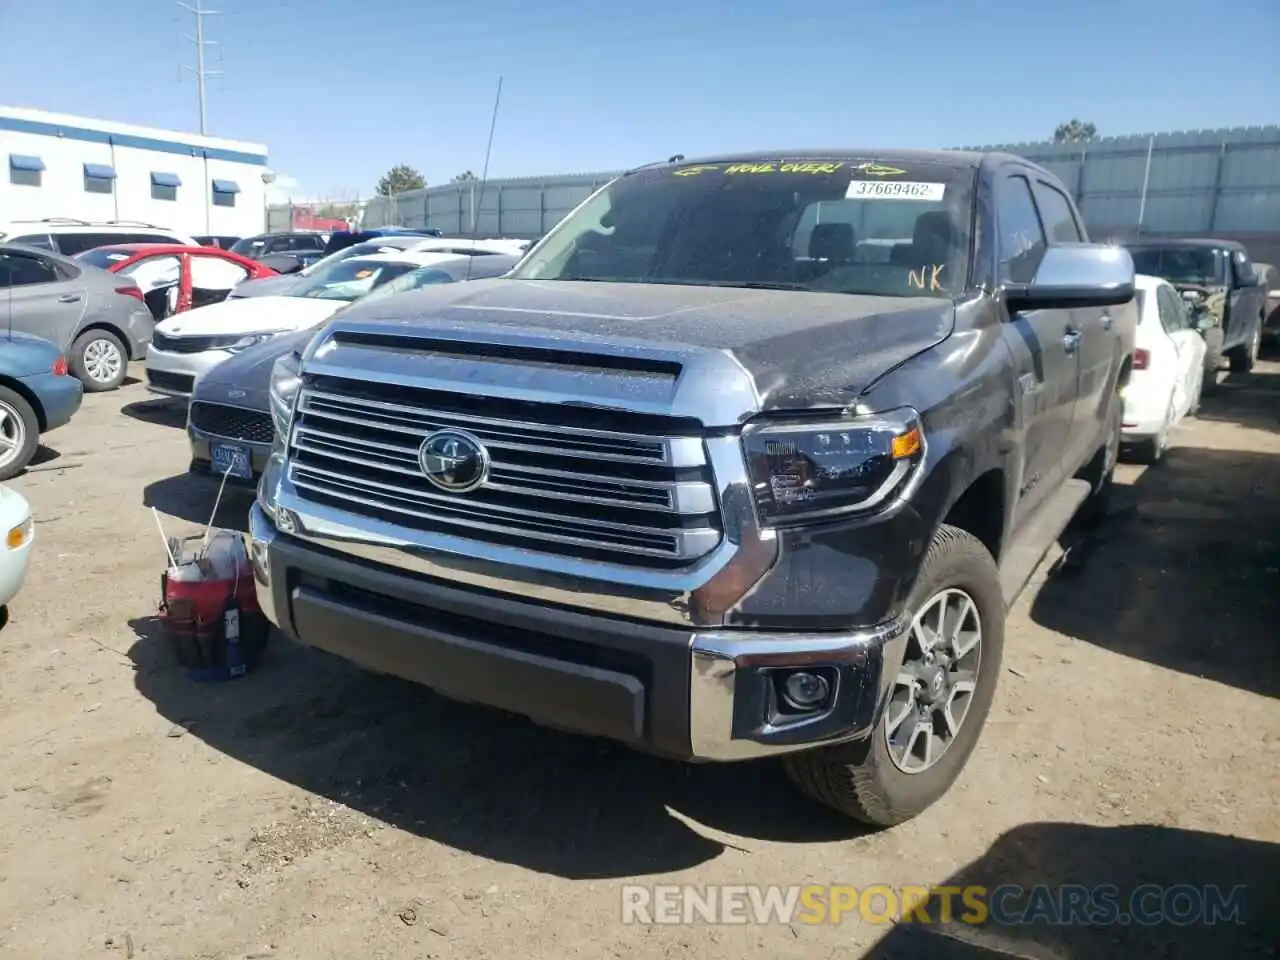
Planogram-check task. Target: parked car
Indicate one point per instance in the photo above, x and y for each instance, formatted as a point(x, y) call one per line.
point(341, 239)
point(185, 346)
point(69, 237)
point(1269, 276)
point(273, 286)
point(694, 478)
point(1219, 280)
point(175, 278)
point(266, 244)
point(19, 533)
point(229, 418)
point(37, 395)
point(1168, 370)
point(225, 243)
point(99, 320)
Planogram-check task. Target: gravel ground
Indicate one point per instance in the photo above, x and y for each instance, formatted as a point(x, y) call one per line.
point(311, 811)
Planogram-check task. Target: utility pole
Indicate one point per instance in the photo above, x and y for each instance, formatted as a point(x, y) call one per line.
point(200, 43)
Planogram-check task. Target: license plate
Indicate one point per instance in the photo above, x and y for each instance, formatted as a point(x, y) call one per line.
point(231, 459)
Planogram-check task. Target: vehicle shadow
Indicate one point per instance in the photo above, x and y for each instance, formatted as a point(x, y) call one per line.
point(192, 497)
point(1184, 573)
point(473, 778)
point(1249, 399)
point(162, 410)
point(1127, 857)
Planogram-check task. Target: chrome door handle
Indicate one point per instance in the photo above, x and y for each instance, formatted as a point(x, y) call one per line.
point(1071, 341)
point(69, 298)
point(1107, 321)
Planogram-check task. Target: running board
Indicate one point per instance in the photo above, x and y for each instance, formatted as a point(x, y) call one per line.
point(1024, 554)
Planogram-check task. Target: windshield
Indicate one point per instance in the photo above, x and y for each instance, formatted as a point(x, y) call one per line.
point(1201, 265)
point(250, 247)
point(104, 257)
point(838, 226)
point(349, 279)
point(415, 279)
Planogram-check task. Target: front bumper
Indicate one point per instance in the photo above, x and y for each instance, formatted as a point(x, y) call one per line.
point(174, 374)
point(684, 692)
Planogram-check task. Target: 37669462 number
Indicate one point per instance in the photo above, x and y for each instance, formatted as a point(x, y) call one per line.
point(895, 190)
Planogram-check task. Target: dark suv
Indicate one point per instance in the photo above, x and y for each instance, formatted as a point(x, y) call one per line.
point(1225, 293)
point(745, 458)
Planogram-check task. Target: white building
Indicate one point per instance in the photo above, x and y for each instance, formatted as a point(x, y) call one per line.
point(62, 166)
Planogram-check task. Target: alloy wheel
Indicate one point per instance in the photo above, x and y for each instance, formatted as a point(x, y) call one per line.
point(13, 434)
point(936, 683)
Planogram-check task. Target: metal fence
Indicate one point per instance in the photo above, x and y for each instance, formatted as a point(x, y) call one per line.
point(1222, 183)
point(522, 207)
point(326, 215)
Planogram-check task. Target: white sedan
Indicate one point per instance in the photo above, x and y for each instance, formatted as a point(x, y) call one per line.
point(184, 346)
point(19, 533)
point(1168, 370)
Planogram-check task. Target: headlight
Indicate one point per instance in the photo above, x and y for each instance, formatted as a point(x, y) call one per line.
point(236, 344)
point(285, 380)
point(803, 471)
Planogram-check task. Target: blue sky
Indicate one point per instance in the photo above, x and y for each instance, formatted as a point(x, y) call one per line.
point(341, 91)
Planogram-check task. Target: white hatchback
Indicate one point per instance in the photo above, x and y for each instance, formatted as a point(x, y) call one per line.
point(1168, 370)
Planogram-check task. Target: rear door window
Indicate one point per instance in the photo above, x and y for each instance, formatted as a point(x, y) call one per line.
point(1055, 209)
point(41, 241)
point(21, 270)
point(69, 244)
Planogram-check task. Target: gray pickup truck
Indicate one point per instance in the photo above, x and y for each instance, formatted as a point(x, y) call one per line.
point(745, 458)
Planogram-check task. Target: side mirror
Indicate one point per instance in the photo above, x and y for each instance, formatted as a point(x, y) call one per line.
point(1075, 275)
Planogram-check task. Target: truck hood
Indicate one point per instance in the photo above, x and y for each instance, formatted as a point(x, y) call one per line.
point(257, 315)
point(800, 349)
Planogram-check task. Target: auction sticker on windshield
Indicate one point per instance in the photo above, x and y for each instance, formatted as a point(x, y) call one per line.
point(895, 190)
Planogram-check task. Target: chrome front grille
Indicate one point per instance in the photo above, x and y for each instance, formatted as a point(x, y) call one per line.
point(563, 479)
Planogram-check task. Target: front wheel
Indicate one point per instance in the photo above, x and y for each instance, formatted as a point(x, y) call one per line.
point(99, 360)
point(940, 697)
point(19, 433)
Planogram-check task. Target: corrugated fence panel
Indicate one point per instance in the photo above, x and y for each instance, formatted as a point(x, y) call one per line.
point(1202, 182)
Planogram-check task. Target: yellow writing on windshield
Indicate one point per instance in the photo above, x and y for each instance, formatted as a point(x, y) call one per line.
point(815, 167)
point(693, 171)
point(928, 278)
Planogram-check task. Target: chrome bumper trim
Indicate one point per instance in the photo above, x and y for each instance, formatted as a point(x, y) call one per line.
point(717, 658)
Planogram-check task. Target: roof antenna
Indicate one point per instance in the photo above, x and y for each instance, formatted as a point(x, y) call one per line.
point(484, 177)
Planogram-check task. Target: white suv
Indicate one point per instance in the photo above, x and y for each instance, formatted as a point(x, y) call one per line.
point(69, 237)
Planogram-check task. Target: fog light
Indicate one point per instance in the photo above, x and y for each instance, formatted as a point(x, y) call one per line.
point(805, 691)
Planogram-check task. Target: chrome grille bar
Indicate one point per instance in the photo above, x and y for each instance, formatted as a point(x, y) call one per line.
point(555, 488)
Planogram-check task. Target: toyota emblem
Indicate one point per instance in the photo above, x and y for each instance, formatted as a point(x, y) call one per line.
point(453, 461)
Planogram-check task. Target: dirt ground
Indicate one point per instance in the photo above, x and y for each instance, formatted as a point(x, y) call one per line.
point(312, 811)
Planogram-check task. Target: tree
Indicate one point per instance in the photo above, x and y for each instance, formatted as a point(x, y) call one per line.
point(400, 179)
point(466, 176)
point(1074, 131)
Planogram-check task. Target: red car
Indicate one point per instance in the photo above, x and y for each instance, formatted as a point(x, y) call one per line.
point(174, 277)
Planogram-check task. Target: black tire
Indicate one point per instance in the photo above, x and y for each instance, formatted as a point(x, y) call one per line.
point(89, 371)
point(860, 779)
point(20, 433)
point(1243, 357)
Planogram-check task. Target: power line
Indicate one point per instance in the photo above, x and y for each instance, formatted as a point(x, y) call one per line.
point(200, 43)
